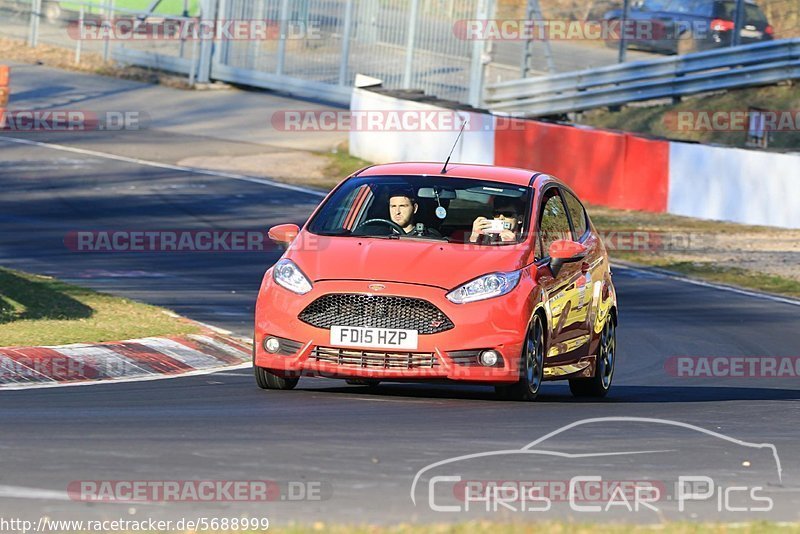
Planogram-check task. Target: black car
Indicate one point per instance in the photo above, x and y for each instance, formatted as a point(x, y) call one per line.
point(684, 26)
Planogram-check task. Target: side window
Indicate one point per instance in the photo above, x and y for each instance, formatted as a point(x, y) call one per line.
point(553, 223)
point(577, 214)
point(655, 5)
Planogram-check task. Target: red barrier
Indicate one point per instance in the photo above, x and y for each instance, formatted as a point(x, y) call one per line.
point(4, 91)
point(605, 168)
point(645, 175)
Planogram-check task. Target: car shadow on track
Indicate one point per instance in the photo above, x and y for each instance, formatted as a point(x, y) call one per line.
point(561, 394)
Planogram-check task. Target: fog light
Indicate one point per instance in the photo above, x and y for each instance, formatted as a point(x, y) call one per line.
point(272, 344)
point(489, 358)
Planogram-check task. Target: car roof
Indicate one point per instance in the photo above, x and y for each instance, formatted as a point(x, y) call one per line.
point(509, 175)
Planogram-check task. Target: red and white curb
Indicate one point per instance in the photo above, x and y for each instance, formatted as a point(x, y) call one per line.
point(137, 359)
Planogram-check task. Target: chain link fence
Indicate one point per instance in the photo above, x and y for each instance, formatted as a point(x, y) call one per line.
point(316, 47)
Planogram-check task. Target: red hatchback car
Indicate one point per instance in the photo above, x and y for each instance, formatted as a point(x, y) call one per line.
point(474, 274)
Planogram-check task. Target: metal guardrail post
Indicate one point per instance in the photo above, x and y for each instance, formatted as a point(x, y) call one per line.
point(738, 23)
point(193, 68)
point(478, 63)
point(79, 43)
point(185, 14)
point(108, 12)
point(346, 36)
point(534, 12)
point(623, 46)
point(256, 44)
point(410, 38)
point(33, 30)
point(284, 23)
point(208, 14)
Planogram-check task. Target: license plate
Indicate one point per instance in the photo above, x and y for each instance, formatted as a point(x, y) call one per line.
point(750, 34)
point(373, 338)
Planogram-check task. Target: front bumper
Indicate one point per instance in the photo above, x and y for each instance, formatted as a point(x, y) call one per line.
point(499, 323)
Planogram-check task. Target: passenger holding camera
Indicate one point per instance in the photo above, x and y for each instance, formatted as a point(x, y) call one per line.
point(501, 228)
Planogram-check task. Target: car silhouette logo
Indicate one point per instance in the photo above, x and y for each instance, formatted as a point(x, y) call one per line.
point(377, 287)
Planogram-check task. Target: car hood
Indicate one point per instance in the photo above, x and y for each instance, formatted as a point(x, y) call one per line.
point(433, 263)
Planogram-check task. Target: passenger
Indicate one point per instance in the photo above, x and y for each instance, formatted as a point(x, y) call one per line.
point(504, 211)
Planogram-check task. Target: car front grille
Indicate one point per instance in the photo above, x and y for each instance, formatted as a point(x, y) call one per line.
point(376, 312)
point(375, 359)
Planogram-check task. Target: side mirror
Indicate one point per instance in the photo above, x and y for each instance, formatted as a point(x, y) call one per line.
point(565, 251)
point(284, 233)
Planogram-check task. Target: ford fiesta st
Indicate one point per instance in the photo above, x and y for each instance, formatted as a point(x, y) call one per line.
point(412, 272)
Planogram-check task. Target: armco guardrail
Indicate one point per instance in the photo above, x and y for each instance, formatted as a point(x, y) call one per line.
point(726, 68)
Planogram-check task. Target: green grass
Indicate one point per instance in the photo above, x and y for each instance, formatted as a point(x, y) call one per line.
point(652, 120)
point(616, 220)
point(341, 165)
point(733, 276)
point(608, 220)
point(39, 310)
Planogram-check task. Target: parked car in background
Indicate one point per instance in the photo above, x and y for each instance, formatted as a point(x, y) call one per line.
point(685, 26)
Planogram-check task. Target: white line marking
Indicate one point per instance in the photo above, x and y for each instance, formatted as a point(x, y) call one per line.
point(200, 372)
point(227, 349)
point(21, 492)
point(722, 287)
point(179, 168)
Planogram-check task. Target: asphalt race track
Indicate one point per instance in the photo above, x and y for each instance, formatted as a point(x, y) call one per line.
point(360, 449)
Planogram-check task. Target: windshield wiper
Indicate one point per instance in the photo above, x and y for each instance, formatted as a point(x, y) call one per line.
point(426, 237)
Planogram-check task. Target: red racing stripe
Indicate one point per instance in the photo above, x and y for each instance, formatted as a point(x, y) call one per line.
point(150, 359)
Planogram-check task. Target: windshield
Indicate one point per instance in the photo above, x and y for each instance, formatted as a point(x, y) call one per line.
point(752, 13)
point(456, 210)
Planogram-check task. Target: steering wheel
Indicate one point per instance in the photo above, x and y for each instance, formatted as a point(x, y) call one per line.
point(391, 224)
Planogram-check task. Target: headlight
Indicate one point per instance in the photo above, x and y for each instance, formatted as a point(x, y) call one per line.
point(289, 275)
point(485, 287)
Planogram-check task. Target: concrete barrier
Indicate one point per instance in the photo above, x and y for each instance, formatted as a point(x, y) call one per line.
point(607, 168)
point(731, 184)
point(423, 143)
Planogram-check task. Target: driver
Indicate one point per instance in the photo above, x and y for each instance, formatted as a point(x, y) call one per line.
point(402, 209)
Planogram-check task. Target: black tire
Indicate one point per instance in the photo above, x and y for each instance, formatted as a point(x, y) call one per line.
point(531, 367)
point(369, 382)
point(266, 379)
point(599, 385)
